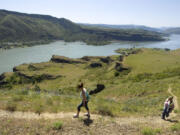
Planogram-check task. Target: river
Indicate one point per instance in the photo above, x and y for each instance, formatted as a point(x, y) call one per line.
point(40, 53)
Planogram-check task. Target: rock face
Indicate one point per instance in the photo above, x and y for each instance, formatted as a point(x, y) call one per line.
point(62, 59)
point(95, 65)
point(99, 88)
point(106, 60)
point(38, 78)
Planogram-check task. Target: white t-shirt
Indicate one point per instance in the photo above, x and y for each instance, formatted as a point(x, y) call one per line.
point(166, 103)
point(85, 91)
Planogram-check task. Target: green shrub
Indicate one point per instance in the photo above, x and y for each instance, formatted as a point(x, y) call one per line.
point(38, 109)
point(57, 125)
point(37, 88)
point(149, 131)
point(141, 76)
point(176, 111)
point(175, 127)
point(116, 73)
point(10, 106)
point(17, 98)
point(105, 110)
point(49, 101)
point(130, 109)
point(23, 92)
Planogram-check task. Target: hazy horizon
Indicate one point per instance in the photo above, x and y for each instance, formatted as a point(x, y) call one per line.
point(152, 13)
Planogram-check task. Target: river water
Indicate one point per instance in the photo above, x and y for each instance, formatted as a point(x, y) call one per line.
point(41, 53)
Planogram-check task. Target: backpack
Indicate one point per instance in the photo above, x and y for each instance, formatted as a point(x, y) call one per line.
point(87, 95)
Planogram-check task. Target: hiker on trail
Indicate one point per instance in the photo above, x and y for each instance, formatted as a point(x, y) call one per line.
point(85, 98)
point(168, 107)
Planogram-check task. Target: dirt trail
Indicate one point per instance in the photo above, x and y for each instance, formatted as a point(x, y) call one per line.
point(120, 120)
point(175, 101)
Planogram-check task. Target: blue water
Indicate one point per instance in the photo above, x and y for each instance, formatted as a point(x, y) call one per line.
point(41, 53)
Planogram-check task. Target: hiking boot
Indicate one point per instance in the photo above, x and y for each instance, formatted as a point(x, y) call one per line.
point(76, 116)
point(86, 114)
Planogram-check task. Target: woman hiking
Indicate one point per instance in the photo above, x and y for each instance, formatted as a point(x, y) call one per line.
point(168, 107)
point(85, 98)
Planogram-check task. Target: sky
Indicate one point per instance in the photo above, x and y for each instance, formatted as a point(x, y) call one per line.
point(154, 13)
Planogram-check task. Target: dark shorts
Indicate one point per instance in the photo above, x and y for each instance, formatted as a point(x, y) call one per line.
point(81, 104)
point(165, 113)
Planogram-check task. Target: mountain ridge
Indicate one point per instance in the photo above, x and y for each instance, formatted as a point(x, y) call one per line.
point(23, 27)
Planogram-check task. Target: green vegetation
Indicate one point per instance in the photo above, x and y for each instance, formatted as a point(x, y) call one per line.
point(57, 125)
point(135, 86)
point(19, 30)
point(150, 131)
point(175, 127)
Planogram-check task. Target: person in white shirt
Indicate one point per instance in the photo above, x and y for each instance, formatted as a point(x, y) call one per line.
point(85, 99)
point(168, 107)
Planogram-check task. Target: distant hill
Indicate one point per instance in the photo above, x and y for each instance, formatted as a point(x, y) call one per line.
point(142, 27)
point(172, 30)
point(22, 27)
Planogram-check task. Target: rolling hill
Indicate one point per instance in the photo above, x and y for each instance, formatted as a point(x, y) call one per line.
point(175, 30)
point(22, 27)
point(111, 26)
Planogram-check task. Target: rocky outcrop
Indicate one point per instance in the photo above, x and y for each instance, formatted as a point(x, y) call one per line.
point(2, 76)
point(91, 58)
point(15, 69)
point(106, 60)
point(2, 82)
point(38, 78)
point(98, 89)
point(121, 57)
point(62, 59)
point(119, 67)
point(95, 65)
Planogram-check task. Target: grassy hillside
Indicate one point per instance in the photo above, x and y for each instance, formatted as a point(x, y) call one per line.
point(135, 86)
point(27, 29)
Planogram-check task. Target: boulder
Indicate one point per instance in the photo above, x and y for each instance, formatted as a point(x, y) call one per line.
point(95, 65)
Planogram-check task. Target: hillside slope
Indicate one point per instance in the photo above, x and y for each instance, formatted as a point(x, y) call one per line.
point(21, 27)
point(136, 86)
